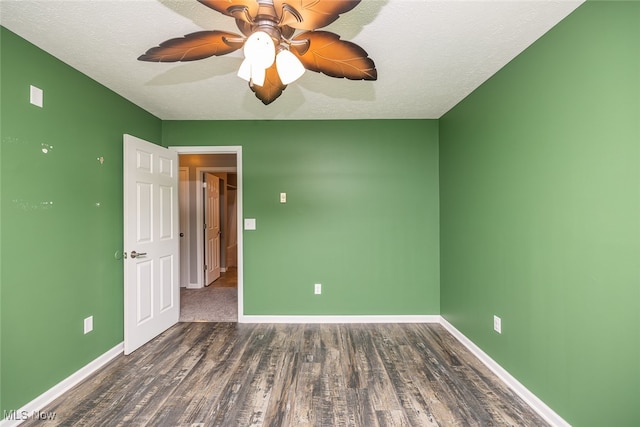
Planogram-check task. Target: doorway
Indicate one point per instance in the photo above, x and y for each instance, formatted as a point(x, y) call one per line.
point(225, 164)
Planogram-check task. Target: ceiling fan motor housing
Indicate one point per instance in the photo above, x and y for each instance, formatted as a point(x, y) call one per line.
point(267, 21)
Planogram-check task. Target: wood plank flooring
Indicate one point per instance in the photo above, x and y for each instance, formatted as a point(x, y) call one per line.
point(228, 374)
point(227, 279)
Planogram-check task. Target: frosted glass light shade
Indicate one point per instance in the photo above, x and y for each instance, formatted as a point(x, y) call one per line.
point(258, 75)
point(244, 72)
point(248, 72)
point(289, 67)
point(259, 54)
point(260, 50)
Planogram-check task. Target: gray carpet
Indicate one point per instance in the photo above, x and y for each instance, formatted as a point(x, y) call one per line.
point(209, 305)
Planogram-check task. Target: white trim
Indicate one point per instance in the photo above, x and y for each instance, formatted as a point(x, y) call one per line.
point(187, 223)
point(237, 150)
point(341, 319)
point(208, 149)
point(65, 385)
point(227, 169)
point(531, 399)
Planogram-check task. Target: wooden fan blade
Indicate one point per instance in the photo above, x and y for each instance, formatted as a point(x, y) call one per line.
point(334, 57)
point(311, 14)
point(245, 10)
point(191, 47)
point(272, 87)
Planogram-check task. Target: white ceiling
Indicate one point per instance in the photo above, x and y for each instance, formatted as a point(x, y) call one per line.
point(429, 54)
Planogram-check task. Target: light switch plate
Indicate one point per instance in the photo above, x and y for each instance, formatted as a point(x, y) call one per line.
point(497, 324)
point(283, 197)
point(249, 223)
point(88, 324)
point(36, 96)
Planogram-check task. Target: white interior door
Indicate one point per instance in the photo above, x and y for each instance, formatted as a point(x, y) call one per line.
point(151, 242)
point(212, 228)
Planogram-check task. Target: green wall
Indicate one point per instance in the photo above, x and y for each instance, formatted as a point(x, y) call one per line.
point(361, 215)
point(361, 218)
point(540, 216)
point(537, 203)
point(61, 219)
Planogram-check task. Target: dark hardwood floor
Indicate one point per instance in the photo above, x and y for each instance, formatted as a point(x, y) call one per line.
point(227, 374)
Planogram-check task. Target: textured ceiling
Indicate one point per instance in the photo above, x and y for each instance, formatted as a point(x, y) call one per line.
point(429, 54)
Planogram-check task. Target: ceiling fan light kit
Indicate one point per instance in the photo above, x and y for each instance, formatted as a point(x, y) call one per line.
point(275, 55)
point(259, 54)
point(289, 67)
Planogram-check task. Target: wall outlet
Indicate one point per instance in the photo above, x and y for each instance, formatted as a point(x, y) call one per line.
point(317, 288)
point(283, 197)
point(497, 324)
point(88, 324)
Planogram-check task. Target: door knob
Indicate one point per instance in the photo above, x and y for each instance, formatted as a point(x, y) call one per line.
point(135, 254)
point(181, 234)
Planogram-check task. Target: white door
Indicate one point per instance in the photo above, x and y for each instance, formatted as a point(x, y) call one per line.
point(151, 242)
point(212, 228)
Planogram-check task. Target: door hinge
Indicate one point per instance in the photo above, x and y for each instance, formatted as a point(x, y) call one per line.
point(204, 184)
point(205, 267)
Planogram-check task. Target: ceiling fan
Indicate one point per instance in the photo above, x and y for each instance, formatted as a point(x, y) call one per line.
point(275, 54)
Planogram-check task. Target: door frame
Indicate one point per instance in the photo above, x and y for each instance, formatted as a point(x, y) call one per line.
point(183, 196)
point(231, 149)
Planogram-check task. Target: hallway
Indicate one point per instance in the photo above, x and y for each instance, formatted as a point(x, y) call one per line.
point(217, 302)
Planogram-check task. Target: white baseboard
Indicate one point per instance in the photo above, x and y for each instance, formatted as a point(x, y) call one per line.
point(532, 400)
point(59, 389)
point(341, 319)
point(194, 286)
